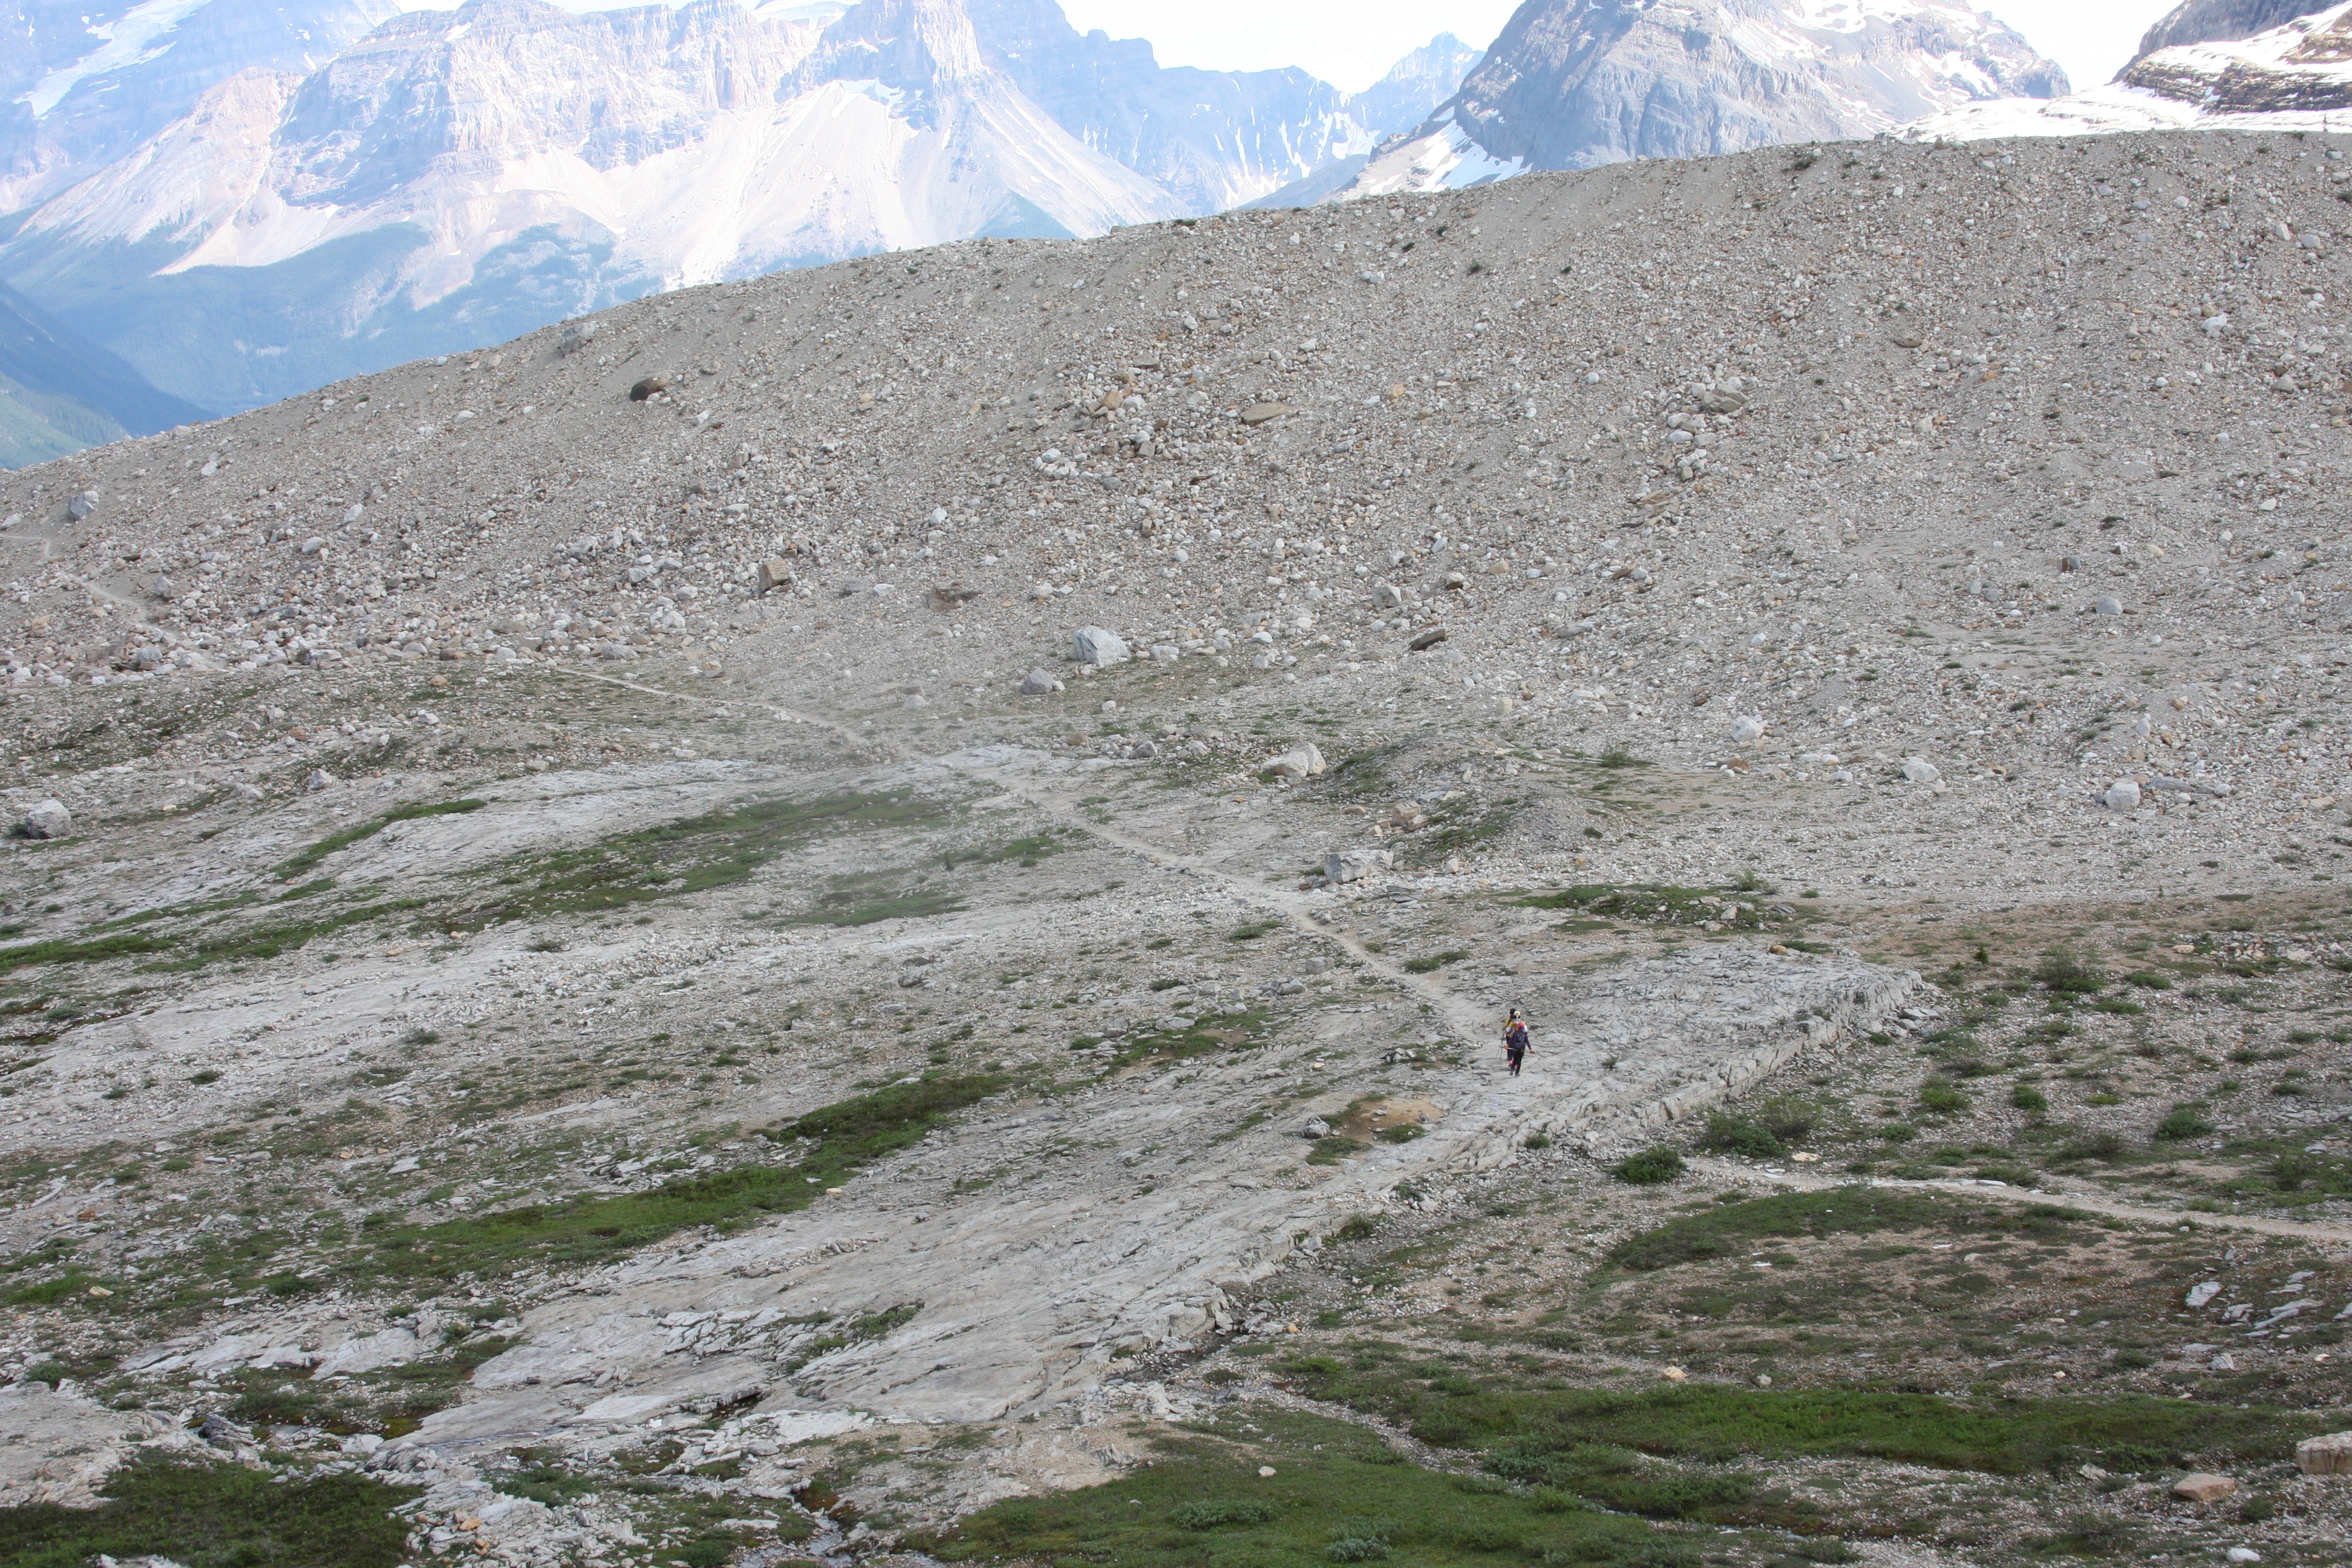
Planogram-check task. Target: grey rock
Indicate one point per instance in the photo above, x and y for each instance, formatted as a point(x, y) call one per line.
point(2219, 21)
point(575, 336)
point(320, 779)
point(82, 505)
point(245, 793)
point(2328, 1455)
point(2122, 795)
point(1569, 84)
point(2162, 785)
point(774, 574)
point(1414, 85)
point(1315, 1127)
point(1355, 864)
point(2108, 605)
point(162, 587)
point(1920, 771)
point(1302, 760)
point(50, 819)
point(1038, 683)
point(223, 1433)
point(1099, 646)
point(851, 587)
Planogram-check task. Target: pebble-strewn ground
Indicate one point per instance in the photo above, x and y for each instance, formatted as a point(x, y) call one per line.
point(579, 981)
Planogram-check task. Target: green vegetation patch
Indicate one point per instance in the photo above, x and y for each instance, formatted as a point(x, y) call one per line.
point(1730, 1229)
point(1649, 1167)
point(846, 906)
point(1660, 903)
point(1721, 1423)
point(317, 852)
point(716, 850)
point(214, 1516)
point(90, 950)
point(1208, 1037)
point(190, 950)
point(833, 1144)
point(1548, 1437)
point(1337, 1496)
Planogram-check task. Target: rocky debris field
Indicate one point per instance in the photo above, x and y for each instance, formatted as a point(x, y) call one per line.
point(865, 915)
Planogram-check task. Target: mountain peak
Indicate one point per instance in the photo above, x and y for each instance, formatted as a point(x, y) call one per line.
point(1573, 84)
point(912, 45)
point(2218, 21)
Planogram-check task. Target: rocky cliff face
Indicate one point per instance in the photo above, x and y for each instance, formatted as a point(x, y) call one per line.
point(1415, 85)
point(2292, 78)
point(82, 88)
point(1396, 103)
point(2218, 21)
point(1573, 84)
point(456, 175)
point(2302, 67)
point(1210, 139)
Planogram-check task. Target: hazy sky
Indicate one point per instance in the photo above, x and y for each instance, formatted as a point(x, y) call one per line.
point(1352, 43)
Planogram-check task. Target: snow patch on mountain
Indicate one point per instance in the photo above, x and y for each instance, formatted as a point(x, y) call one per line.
point(747, 182)
point(1576, 83)
point(1445, 159)
point(127, 40)
point(2297, 77)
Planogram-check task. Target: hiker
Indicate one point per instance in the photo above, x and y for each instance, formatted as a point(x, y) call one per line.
point(1515, 1040)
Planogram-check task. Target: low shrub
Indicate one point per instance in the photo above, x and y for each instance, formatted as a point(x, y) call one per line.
point(1943, 1097)
point(1649, 1167)
point(1216, 1514)
point(1728, 1134)
point(2180, 1124)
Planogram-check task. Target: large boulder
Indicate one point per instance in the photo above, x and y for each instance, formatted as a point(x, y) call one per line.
point(1099, 645)
point(1355, 864)
point(2324, 1456)
point(2198, 1486)
point(1301, 762)
point(50, 819)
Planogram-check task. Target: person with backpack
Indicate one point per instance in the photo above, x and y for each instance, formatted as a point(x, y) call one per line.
point(1515, 1041)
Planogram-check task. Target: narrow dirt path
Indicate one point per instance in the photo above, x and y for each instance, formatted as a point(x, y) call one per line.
point(1462, 1016)
point(51, 551)
point(2089, 1203)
